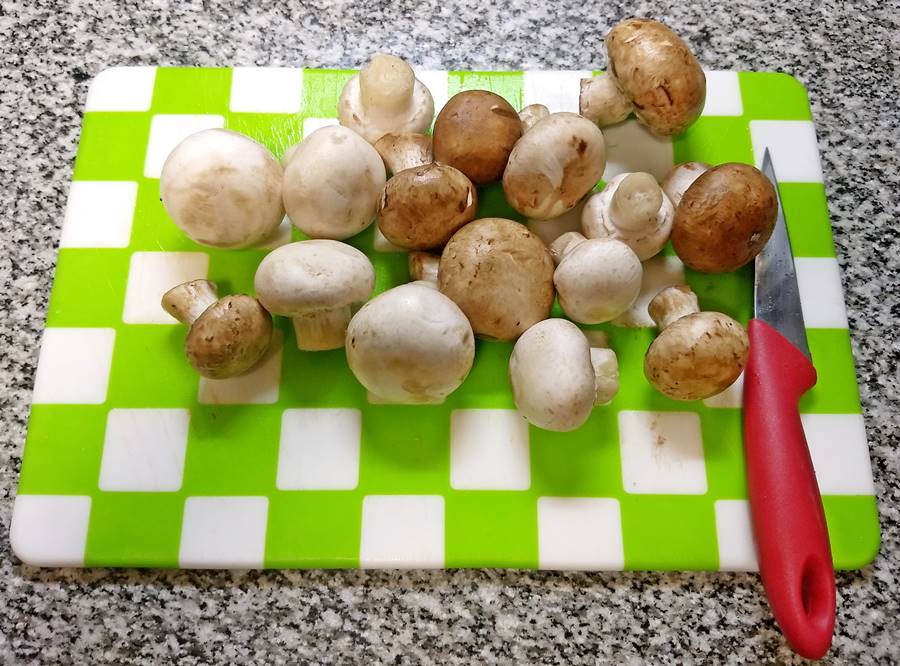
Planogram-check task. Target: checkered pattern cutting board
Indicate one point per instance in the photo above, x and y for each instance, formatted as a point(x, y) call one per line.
point(131, 459)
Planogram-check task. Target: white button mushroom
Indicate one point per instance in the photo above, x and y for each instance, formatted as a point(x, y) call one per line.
point(631, 208)
point(597, 279)
point(227, 336)
point(602, 102)
point(404, 151)
point(423, 266)
point(410, 344)
point(222, 189)
point(332, 184)
point(554, 165)
point(385, 97)
point(697, 354)
point(531, 114)
point(315, 282)
point(557, 378)
point(680, 178)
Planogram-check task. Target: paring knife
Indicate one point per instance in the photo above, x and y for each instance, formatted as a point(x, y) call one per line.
point(786, 508)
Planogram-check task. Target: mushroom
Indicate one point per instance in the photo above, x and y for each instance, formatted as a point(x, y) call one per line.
point(227, 336)
point(633, 209)
point(475, 133)
point(602, 102)
point(332, 183)
point(500, 275)
point(531, 114)
point(597, 279)
point(554, 165)
point(410, 344)
point(696, 354)
point(423, 267)
point(725, 218)
point(385, 97)
point(653, 72)
point(422, 207)
point(315, 282)
point(404, 151)
point(680, 178)
point(556, 376)
point(552, 228)
point(222, 189)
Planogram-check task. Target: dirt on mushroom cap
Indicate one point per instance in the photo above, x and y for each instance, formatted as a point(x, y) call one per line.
point(229, 338)
point(500, 275)
point(475, 132)
point(658, 73)
point(421, 208)
point(725, 218)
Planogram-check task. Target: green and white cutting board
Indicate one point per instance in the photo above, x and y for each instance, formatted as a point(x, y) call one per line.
point(132, 460)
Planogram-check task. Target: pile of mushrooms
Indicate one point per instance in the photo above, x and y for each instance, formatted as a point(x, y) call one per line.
point(491, 278)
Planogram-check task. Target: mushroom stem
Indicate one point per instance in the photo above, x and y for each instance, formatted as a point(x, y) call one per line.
point(671, 304)
point(322, 330)
point(681, 177)
point(636, 202)
point(602, 102)
point(404, 150)
point(606, 374)
point(424, 266)
point(531, 114)
point(386, 84)
point(565, 244)
point(189, 300)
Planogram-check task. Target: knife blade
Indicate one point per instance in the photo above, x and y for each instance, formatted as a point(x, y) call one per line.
point(785, 506)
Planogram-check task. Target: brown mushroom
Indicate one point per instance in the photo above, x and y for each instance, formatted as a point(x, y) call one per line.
point(554, 165)
point(227, 336)
point(725, 218)
point(654, 72)
point(475, 132)
point(420, 208)
point(500, 275)
point(696, 354)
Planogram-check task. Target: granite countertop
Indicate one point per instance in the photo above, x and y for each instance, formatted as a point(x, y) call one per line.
point(49, 53)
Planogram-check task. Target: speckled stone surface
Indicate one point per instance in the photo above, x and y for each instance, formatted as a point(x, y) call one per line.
point(847, 56)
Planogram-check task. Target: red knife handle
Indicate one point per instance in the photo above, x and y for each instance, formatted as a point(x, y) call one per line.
point(786, 508)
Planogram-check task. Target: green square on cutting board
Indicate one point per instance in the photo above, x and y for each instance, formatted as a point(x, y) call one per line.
point(233, 449)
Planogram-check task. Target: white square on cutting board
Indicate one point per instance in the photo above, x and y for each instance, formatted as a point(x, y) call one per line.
point(50, 530)
point(73, 366)
point(223, 532)
point(167, 131)
point(143, 450)
point(122, 89)
point(734, 535)
point(99, 214)
point(319, 449)
point(821, 293)
point(793, 146)
point(662, 453)
point(840, 453)
point(580, 533)
point(266, 90)
point(632, 147)
point(557, 90)
point(402, 532)
point(489, 450)
point(152, 274)
point(438, 83)
point(723, 94)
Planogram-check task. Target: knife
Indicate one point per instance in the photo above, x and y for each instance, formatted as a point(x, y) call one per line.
point(785, 505)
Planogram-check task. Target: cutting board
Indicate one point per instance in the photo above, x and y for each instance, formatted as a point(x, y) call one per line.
point(132, 460)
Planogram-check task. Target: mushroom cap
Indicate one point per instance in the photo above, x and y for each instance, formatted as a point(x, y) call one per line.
point(552, 375)
point(416, 117)
point(596, 222)
point(725, 218)
point(404, 151)
point(410, 344)
point(598, 280)
point(554, 165)
point(421, 208)
point(332, 183)
point(475, 133)
point(680, 178)
point(500, 275)
point(697, 356)
point(222, 189)
point(229, 338)
point(657, 73)
point(313, 275)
